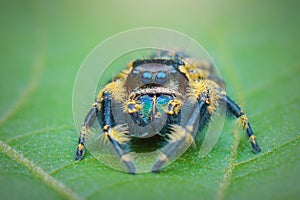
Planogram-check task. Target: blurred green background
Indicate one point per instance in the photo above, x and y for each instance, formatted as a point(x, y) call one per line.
point(255, 44)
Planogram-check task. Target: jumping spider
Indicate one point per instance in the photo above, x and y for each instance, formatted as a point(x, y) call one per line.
point(168, 96)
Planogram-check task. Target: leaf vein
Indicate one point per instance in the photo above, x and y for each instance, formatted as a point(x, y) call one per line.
point(31, 86)
point(230, 168)
point(37, 132)
point(38, 172)
point(267, 153)
point(57, 170)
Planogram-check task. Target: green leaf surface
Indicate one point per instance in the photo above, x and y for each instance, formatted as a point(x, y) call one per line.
point(255, 45)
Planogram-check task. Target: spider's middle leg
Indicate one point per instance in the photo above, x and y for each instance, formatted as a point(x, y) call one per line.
point(237, 111)
point(88, 122)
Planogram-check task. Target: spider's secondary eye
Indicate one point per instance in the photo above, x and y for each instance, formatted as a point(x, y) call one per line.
point(161, 77)
point(146, 77)
point(135, 72)
point(173, 71)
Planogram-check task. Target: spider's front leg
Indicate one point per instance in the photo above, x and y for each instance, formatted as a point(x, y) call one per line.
point(181, 137)
point(115, 134)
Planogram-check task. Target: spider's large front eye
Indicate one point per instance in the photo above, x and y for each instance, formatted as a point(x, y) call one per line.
point(161, 78)
point(146, 77)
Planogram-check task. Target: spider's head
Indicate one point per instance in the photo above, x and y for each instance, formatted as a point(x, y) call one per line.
point(159, 72)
